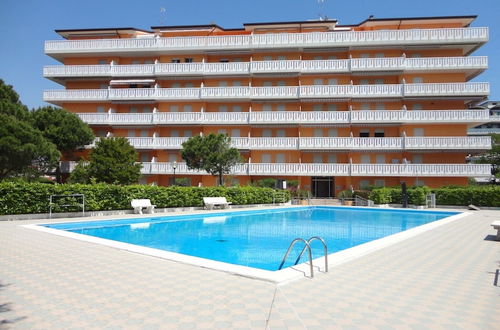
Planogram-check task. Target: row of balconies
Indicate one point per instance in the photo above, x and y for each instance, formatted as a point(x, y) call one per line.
point(287, 117)
point(285, 66)
point(269, 41)
point(266, 93)
point(310, 169)
point(330, 143)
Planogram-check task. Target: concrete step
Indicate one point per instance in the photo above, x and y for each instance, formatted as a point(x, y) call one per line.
point(325, 201)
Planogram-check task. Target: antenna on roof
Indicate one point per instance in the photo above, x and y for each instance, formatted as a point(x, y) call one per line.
point(321, 15)
point(163, 16)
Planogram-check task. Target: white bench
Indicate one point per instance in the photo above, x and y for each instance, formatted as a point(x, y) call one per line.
point(211, 202)
point(496, 225)
point(139, 204)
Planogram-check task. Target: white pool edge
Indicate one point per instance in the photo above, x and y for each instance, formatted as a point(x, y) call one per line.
point(279, 277)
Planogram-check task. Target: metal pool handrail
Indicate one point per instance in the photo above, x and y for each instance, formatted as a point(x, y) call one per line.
point(325, 250)
point(290, 249)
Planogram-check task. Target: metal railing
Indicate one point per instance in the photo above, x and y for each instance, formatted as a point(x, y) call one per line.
point(307, 245)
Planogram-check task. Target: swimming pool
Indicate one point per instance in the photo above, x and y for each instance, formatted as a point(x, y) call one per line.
point(257, 238)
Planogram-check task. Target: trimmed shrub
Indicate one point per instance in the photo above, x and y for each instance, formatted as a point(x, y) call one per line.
point(23, 198)
point(381, 195)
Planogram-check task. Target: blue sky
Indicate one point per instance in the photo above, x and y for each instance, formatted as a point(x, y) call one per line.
point(26, 24)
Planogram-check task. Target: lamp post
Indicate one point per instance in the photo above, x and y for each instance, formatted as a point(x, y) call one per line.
point(174, 166)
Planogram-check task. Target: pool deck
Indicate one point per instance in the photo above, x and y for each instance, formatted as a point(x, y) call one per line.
point(444, 278)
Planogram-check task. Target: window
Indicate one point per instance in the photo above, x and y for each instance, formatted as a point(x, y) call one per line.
point(418, 131)
point(281, 83)
point(380, 159)
point(395, 161)
point(102, 62)
point(145, 157)
point(101, 133)
point(131, 133)
point(280, 158)
point(188, 108)
point(417, 159)
point(318, 132)
point(317, 58)
point(417, 106)
point(416, 55)
point(188, 133)
point(418, 80)
point(172, 158)
point(266, 107)
point(365, 106)
point(237, 108)
point(281, 58)
point(188, 60)
point(419, 183)
point(318, 82)
point(100, 109)
point(332, 107)
point(176, 85)
point(236, 83)
point(222, 108)
point(144, 133)
point(222, 83)
point(318, 158)
point(224, 60)
point(189, 85)
point(136, 62)
point(266, 158)
point(148, 62)
point(267, 132)
point(364, 82)
point(235, 132)
point(103, 86)
point(237, 59)
point(147, 110)
point(364, 133)
point(379, 81)
point(267, 84)
point(364, 184)
point(332, 57)
point(379, 55)
point(174, 133)
point(222, 131)
point(176, 60)
point(379, 183)
point(267, 58)
point(364, 55)
point(333, 132)
point(332, 159)
point(281, 133)
point(280, 107)
point(317, 107)
point(133, 110)
point(174, 108)
point(333, 81)
point(379, 133)
point(380, 106)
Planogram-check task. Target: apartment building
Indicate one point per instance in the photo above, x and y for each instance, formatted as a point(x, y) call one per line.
point(334, 106)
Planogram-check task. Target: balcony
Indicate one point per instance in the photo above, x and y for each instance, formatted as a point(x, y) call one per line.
point(287, 117)
point(471, 65)
point(311, 169)
point(414, 37)
point(333, 92)
point(330, 143)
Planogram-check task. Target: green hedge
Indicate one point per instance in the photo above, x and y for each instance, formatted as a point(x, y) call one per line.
point(23, 198)
point(477, 195)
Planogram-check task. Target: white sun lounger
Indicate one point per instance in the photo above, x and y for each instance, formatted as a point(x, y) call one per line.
point(211, 202)
point(139, 204)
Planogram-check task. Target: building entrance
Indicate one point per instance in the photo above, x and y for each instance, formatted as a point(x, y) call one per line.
point(323, 186)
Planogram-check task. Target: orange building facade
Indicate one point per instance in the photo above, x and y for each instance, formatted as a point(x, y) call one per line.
point(334, 106)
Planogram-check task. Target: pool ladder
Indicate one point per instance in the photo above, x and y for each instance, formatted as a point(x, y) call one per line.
point(308, 247)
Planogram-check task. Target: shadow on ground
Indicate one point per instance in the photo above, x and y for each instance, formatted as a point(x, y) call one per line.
point(5, 308)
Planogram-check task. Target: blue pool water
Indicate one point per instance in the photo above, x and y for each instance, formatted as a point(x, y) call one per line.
point(257, 238)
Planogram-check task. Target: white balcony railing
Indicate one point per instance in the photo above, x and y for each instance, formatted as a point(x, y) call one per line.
point(314, 169)
point(285, 92)
point(281, 40)
point(329, 143)
point(256, 67)
point(287, 117)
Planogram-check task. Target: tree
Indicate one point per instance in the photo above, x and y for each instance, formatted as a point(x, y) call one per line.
point(212, 153)
point(23, 149)
point(66, 130)
point(113, 160)
point(493, 155)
